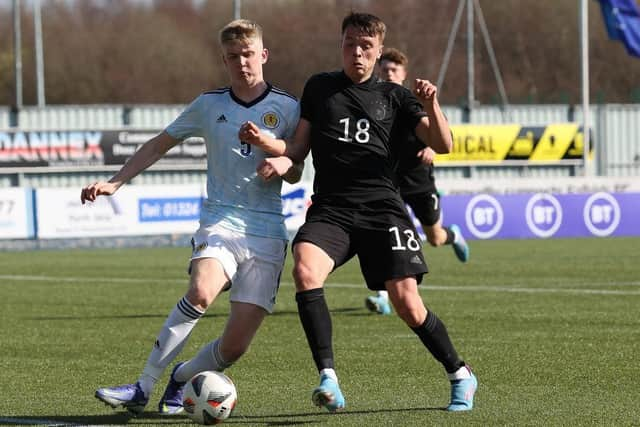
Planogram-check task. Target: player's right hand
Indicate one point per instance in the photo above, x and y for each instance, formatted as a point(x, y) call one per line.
point(92, 191)
point(274, 166)
point(249, 133)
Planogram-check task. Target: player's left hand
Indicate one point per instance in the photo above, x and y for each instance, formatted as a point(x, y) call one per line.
point(250, 133)
point(425, 91)
point(426, 156)
point(274, 166)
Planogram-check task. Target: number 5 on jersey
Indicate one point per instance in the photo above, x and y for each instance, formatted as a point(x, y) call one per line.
point(245, 148)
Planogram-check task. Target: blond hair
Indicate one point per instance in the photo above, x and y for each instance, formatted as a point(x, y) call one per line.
point(240, 30)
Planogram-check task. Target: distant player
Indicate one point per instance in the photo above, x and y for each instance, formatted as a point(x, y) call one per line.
point(417, 183)
point(346, 120)
point(241, 243)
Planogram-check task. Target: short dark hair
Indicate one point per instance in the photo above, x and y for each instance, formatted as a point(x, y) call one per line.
point(396, 56)
point(366, 23)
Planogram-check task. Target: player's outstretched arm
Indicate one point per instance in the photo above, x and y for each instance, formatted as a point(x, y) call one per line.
point(147, 155)
point(433, 129)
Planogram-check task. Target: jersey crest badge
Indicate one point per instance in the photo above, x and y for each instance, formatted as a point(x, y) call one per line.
point(270, 120)
point(379, 110)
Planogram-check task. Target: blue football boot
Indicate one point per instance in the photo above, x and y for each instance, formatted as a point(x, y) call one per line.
point(378, 304)
point(462, 392)
point(171, 401)
point(129, 396)
point(460, 246)
point(328, 394)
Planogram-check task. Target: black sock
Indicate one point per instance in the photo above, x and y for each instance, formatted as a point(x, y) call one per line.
point(316, 321)
point(434, 336)
point(450, 236)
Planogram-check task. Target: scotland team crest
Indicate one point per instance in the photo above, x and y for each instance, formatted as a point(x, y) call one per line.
point(270, 120)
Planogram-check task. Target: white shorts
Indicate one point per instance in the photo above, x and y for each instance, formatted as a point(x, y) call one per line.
point(253, 263)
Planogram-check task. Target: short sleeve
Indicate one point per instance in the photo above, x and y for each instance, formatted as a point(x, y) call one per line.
point(410, 109)
point(307, 104)
point(292, 121)
point(189, 123)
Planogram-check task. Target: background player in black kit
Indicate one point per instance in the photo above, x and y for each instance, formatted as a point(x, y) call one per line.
point(346, 120)
point(416, 182)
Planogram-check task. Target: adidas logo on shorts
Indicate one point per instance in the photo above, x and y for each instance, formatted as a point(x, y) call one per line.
point(415, 260)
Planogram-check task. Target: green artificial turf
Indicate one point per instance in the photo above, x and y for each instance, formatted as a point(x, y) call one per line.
point(550, 327)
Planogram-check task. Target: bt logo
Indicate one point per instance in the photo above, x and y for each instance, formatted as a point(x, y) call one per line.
point(543, 215)
point(601, 214)
point(484, 216)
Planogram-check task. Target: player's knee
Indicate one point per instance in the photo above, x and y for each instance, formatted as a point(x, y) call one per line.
point(304, 277)
point(200, 297)
point(412, 316)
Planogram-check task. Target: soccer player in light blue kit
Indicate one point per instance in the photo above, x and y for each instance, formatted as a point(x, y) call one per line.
point(242, 239)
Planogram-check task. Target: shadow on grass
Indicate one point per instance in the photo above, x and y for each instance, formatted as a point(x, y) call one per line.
point(348, 311)
point(116, 317)
point(154, 418)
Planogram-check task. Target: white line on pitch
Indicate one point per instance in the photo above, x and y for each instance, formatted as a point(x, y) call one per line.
point(427, 288)
point(424, 288)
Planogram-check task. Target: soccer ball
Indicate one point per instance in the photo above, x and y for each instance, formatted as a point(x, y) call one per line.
point(209, 397)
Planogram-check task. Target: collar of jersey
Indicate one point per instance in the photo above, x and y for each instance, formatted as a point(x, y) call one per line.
point(250, 104)
point(370, 81)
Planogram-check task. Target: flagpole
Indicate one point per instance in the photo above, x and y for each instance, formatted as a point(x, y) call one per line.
point(584, 54)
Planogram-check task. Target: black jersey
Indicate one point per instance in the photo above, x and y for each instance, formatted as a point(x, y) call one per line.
point(352, 147)
point(413, 176)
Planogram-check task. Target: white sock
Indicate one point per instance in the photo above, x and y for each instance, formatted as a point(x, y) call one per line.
point(207, 359)
point(383, 294)
point(170, 341)
point(461, 374)
point(330, 373)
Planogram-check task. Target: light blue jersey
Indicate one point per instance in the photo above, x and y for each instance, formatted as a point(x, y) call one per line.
point(237, 198)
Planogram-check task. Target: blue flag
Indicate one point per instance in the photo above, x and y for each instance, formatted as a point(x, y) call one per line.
point(622, 19)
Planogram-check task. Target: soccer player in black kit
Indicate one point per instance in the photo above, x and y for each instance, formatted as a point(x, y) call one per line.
point(416, 182)
point(347, 119)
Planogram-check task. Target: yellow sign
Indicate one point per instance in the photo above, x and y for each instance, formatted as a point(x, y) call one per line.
point(478, 143)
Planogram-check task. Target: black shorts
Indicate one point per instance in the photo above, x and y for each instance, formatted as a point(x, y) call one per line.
point(387, 244)
point(425, 205)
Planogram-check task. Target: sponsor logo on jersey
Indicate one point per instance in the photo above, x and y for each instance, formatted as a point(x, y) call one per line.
point(270, 120)
point(221, 119)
